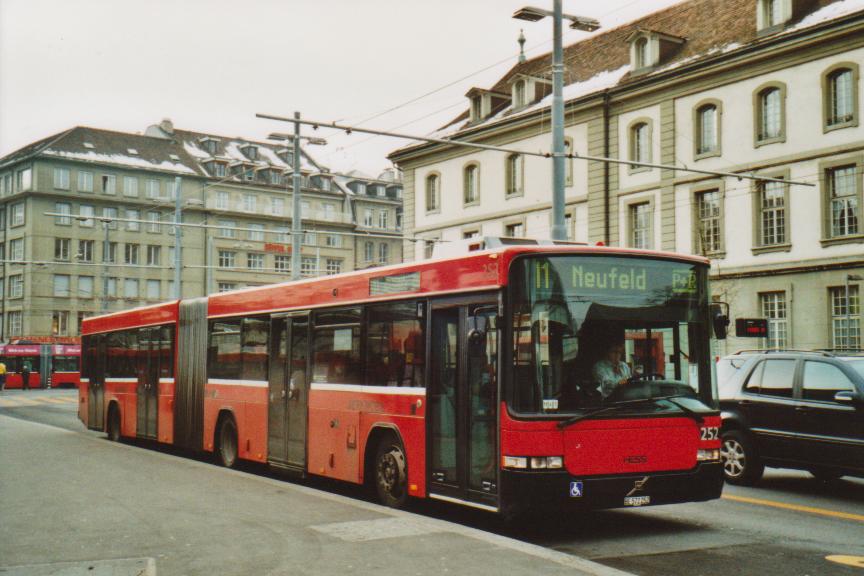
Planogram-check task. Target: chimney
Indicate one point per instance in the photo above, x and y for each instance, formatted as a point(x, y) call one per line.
point(167, 126)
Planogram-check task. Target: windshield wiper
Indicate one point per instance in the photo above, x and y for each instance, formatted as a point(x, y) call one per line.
point(624, 403)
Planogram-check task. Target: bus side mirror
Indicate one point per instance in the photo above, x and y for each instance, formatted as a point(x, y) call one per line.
point(720, 319)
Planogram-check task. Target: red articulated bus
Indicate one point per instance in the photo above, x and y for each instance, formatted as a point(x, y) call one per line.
point(65, 371)
point(15, 356)
point(503, 379)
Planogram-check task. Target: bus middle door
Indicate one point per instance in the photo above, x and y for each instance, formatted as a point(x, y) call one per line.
point(288, 395)
point(462, 396)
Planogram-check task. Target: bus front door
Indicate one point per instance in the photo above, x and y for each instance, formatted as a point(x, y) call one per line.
point(288, 390)
point(149, 352)
point(462, 395)
point(96, 387)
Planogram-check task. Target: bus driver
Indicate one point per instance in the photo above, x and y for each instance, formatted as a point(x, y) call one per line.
point(611, 371)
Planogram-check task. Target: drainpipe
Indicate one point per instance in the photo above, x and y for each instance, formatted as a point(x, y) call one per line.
point(606, 165)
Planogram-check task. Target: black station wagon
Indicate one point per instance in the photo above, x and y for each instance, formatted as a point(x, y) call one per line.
point(801, 410)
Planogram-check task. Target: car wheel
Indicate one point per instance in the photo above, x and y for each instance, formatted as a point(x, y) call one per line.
point(226, 452)
point(391, 473)
point(741, 463)
point(824, 474)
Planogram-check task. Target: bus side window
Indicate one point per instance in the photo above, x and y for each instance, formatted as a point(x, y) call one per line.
point(336, 346)
point(395, 344)
point(256, 332)
point(223, 352)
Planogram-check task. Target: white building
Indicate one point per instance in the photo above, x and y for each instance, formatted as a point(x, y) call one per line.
point(764, 86)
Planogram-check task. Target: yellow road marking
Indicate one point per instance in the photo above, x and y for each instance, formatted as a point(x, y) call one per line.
point(58, 400)
point(854, 561)
point(796, 507)
point(14, 402)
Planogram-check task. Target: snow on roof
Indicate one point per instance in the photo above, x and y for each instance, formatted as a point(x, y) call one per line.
point(830, 12)
point(121, 159)
point(271, 157)
point(194, 151)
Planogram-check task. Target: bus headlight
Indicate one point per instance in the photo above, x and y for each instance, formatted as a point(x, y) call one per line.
point(515, 462)
point(707, 455)
point(534, 462)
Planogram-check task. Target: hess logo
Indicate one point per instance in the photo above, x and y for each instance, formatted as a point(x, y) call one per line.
point(636, 459)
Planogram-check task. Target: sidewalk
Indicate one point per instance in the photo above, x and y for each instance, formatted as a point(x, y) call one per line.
point(74, 498)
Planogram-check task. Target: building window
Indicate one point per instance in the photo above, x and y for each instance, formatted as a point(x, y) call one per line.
point(568, 223)
point(470, 184)
point(15, 323)
point(109, 213)
point(85, 250)
point(130, 186)
point(432, 185)
point(707, 130)
point(773, 13)
point(63, 208)
point(154, 255)
point(369, 251)
point(61, 249)
point(282, 263)
point(221, 200)
point(227, 258)
point(305, 209)
point(844, 198)
point(640, 144)
point(772, 211)
point(709, 224)
point(310, 239)
point(255, 261)
point(61, 178)
point(773, 305)
point(428, 248)
point(641, 229)
point(367, 217)
point(514, 168)
point(282, 235)
point(333, 241)
point(87, 212)
point(154, 289)
point(329, 212)
point(109, 184)
point(845, 318)
point(110, 257)
point(250, 203)
point(840, 94)
point(24, 179)
point(18, 214)
point(130, 255)
point(16, 286)
point(383, 253)
point(226, 286)
point(277, 206)
point(382, 219)
point(60, 323)
point(16, 249)
point(111, 287)
point(256, 232)
point(133, 215)
point(85, 181)
point(334, 266)
point(307, 266)
point(476, 108)
point(85, 287)
point(226, 228)
point(640, 53)
point(770, 114)
point(469, 234)
point(153, 222)
point(152, 188)
point(514, 230)
point(519, 91)
point(130, 288)
point(61, 285)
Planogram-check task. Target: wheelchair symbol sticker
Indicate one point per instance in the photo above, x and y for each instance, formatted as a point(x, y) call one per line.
point(576, 489)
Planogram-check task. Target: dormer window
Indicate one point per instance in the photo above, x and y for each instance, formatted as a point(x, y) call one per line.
point(476, 108)
point(771, 15)
point(649, 49)
point(215, 168)
point(210, 145)
point(640, 53)
point(250, 151)
point(519, 91)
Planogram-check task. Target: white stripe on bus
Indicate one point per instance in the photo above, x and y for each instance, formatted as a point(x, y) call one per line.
point(87, 380)
point(251, 383)
point(401, 391)
point(166, 380)
point(122, 380)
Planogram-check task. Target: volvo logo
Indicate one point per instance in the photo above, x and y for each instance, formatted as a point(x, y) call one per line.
point(638, 486)
point(636, 459)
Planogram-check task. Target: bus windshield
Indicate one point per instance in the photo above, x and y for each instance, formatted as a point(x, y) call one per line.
point(592, 331)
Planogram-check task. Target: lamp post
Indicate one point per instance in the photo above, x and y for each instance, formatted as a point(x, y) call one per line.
point(850, 278)
point(296, 217)
point(532, 14)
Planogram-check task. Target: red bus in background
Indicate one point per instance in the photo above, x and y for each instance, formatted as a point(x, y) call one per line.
point(65, 368)
point(51, 365)
point(475, 379)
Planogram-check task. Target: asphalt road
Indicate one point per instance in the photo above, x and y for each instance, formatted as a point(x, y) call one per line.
point(789, 525)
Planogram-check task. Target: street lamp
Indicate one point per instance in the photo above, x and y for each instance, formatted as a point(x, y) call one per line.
point(533, 14)
point(296, 229)
point(850, 278)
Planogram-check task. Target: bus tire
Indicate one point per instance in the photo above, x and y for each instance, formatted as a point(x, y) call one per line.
point(391, 472)
point(113, 424)
point(226, 442)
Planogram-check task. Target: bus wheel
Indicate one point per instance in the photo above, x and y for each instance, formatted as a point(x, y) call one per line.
point(391, 476)
point(226, 451)
point(113, 426)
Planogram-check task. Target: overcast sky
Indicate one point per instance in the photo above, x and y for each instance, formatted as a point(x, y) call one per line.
point(211, 65)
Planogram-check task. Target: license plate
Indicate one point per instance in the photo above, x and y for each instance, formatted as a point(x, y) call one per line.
point(637, 500)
